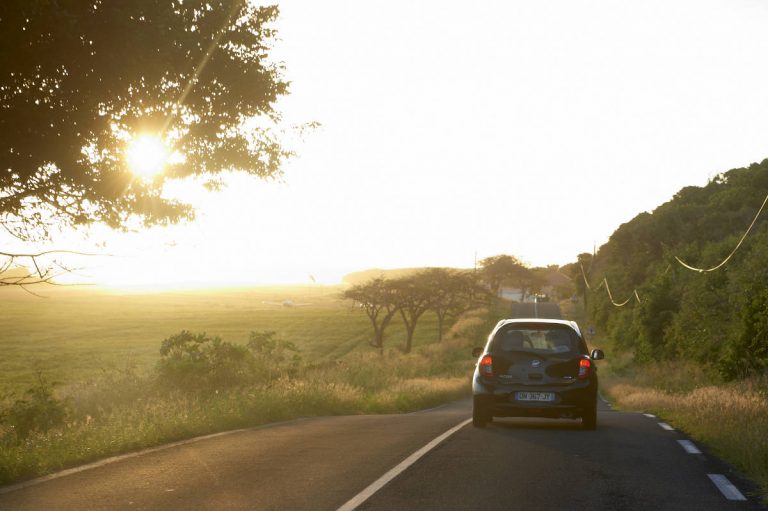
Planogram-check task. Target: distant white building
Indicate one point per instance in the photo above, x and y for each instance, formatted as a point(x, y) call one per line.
point(514, 294)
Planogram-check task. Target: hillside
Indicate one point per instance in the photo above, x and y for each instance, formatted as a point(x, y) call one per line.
point(719, 318)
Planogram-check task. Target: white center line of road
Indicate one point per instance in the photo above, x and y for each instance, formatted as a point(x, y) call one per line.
point(689, 447)
point(379, 483)
point(664, 425)
point(726, 487)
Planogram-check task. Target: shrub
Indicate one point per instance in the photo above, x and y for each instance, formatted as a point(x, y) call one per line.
point(278, 353)
point(40, 411)
point(196, 362)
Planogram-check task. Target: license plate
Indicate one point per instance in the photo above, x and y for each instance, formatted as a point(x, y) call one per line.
point(535, 396)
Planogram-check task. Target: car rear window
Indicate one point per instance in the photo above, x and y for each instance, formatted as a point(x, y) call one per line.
point(535, 337)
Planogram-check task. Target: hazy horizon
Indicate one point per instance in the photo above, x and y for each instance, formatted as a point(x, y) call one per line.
point(449, 135)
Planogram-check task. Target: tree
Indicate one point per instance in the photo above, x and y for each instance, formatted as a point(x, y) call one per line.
point(581, 272)
point(413, 296)
point(14, 269)
point(529, 280)
point(378, 299)
point(498, 269)
point(80, 80)
point(452, 292)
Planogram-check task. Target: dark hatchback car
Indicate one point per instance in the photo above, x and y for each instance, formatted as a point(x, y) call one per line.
point(535, 368)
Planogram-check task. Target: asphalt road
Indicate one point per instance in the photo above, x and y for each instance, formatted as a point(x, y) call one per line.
point(629, 463)
point(546, 310)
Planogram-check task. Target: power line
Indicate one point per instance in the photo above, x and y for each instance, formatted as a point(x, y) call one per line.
point(702, 270)
point(622, 304)
point(604, 283)
point(584, 275)
point(635, 295)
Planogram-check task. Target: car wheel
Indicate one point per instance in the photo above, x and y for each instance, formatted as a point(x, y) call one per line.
point(480, 415)
point(589, 419)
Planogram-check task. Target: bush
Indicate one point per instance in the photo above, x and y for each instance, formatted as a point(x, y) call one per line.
point(39, 412)
point(283, 354)
point(198, 362)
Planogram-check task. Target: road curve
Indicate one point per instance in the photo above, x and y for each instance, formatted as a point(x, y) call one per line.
point(629, 463)
point(314, 463)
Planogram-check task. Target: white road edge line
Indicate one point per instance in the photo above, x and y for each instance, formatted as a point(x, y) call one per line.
point(689, 446)
point(726, 487)
point(136, 454)
point(378, 484)
point(419, 412)
point(664, 425)
point(108, 461)
point(650, 415)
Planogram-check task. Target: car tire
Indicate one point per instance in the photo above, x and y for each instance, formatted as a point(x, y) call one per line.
point(589, 418)
point(480, 415)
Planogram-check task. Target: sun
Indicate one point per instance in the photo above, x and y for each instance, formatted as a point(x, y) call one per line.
point(147, 156)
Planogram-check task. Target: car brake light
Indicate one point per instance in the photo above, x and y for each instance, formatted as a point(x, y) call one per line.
point(584, 366)
point(486, 366)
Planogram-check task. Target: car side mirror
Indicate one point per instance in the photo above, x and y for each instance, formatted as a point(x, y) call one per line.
point(597, 355)
point(476, 352)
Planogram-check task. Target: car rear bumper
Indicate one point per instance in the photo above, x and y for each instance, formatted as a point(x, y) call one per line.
point(570, 401)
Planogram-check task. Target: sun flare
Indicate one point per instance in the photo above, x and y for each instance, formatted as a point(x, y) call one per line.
point(147, 156)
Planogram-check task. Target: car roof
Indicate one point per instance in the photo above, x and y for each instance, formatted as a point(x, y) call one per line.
point(565, 322)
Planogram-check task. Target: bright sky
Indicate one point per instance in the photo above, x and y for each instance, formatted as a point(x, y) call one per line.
point(452, 128)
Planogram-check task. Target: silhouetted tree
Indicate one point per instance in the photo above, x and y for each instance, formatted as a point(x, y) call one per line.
point(79, 79)
point(500, 269)
point(452, 293)
point(380, 303)
point(495, 270)
point(413, 296)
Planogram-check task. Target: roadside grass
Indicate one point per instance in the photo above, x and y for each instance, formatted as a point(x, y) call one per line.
point(126, 421)
point(127, 406)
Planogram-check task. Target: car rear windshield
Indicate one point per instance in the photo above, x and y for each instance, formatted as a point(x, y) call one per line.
point(536, 337)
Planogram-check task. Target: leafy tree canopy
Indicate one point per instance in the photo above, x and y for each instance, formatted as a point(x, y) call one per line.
point(80, 79)
point(501, 268)
point(713, 319)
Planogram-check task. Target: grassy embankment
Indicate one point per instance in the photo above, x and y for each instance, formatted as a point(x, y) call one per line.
point(104, 351)
point(729, 418)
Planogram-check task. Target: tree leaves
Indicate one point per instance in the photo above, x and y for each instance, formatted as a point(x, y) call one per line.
point(77, 79)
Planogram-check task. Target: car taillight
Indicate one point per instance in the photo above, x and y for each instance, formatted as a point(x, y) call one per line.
point(584, 366)
point(486, 366)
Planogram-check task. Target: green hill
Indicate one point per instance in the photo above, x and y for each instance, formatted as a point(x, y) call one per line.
point(718, 318)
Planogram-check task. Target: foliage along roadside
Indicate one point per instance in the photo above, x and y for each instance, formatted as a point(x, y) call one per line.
point(715, 319)
point(244, 386)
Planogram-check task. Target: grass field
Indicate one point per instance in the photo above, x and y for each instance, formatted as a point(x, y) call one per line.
point(72, 335)
point(111, 394)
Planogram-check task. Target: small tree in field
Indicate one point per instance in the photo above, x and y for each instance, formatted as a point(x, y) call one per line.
point(447, 292)
point(413, 296)
point(452, 293)
point(378, 299)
